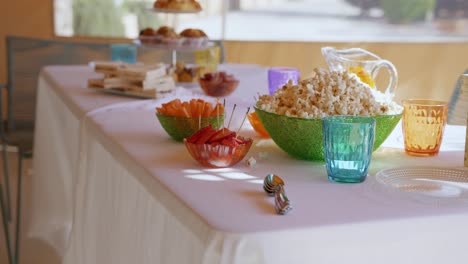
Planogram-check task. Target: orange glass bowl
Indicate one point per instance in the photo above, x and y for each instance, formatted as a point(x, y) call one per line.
point(257, 124)
point(217, 155)
point(217, 87)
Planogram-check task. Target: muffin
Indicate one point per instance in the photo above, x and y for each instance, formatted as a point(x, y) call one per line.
point(147, 36)
point(183, 5)
point(165, 30)
point(192, 33)
point(147, 32)
point(194, 38)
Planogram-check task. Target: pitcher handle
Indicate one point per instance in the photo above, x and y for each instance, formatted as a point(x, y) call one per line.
point(393, 75)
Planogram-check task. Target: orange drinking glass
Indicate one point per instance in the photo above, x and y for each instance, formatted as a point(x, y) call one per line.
point(423, 126)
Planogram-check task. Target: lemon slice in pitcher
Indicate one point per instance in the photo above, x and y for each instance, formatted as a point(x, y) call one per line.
point(363, 75)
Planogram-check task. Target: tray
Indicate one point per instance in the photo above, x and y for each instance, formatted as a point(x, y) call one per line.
point(188, 84)
point(123, 93)
point(430, 184)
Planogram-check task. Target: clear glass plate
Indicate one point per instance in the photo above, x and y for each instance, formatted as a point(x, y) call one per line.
point(177, 46)
point(134, 94)
point(174, 11)
point(188, 84)
point(429, 184)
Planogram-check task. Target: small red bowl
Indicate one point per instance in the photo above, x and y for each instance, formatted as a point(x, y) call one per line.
point(218, 84)
point(217, 155)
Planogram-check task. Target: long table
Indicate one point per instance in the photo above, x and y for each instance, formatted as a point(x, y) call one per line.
point(136, 196)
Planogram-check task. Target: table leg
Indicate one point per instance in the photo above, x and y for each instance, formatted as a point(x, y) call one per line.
point(6, 173)
point(6, 228)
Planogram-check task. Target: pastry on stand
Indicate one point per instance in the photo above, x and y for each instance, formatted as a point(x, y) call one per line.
point(188, 40)
point(177, 5)
point(185, 74)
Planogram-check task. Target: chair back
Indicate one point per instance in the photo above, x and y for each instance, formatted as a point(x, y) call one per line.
point(25, 58)
point(458, 106)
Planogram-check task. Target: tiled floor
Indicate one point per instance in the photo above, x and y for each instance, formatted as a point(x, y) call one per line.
point(33, 251)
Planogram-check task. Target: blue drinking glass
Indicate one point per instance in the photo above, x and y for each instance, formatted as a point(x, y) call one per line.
point(348, 143)
point(124, 52)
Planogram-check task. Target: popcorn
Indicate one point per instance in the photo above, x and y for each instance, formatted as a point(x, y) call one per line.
point(328, 93)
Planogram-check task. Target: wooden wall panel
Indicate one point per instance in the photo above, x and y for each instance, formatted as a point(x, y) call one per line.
point(425, 70)
point(28, 18)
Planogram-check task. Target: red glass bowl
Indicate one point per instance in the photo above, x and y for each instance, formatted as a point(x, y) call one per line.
point(218, 88)
point(217, 155)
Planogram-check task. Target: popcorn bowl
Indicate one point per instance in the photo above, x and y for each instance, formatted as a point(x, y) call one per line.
point(182, 127)
point(302, 137)
point(218, 155)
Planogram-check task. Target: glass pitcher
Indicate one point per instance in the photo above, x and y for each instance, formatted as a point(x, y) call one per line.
point(363, 63)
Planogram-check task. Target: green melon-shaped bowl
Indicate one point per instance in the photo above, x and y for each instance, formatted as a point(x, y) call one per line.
point(183, 127)
point(302, 137)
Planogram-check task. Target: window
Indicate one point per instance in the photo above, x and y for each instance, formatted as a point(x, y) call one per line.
point(275, 20)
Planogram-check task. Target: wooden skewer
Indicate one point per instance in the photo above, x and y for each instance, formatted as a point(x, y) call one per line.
point(217, 110)
point(248, 109)
point(232, 113)
point(224, 107)
point(199, 122)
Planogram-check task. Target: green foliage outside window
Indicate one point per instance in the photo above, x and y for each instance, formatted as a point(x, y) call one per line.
point(397, 11)
point(406, 11)
point(104, 18)
point(97, 18)
point(145, 17)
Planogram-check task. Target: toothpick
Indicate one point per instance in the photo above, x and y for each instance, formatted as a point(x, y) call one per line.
point(232, 113)
point(248, 109)
point(224, 107)
point(217, 109)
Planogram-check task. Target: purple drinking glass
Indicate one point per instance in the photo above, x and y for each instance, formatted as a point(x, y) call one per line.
point(279, 76)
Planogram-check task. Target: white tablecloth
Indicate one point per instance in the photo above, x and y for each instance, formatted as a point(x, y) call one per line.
point(62, 103)
point(138, 197)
